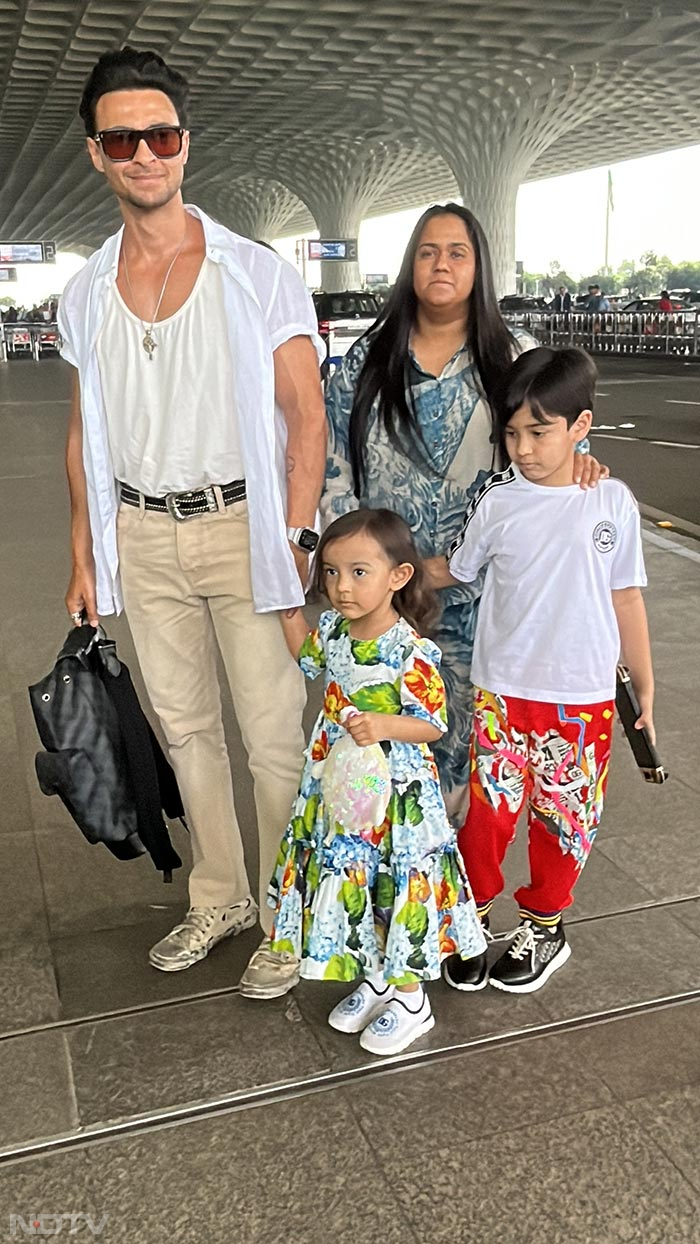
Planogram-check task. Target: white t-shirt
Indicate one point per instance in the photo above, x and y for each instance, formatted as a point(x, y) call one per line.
point(547, 629)
point(172, 420)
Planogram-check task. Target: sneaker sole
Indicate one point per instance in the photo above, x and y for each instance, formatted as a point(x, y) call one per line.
point(464, 988)
point(262, 993)
point(399, 1046)
point(532, 986)
point(167, 965)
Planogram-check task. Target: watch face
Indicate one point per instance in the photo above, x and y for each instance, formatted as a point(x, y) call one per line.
point(308, 539)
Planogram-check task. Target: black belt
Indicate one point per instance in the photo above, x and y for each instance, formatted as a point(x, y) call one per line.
point(184, 505)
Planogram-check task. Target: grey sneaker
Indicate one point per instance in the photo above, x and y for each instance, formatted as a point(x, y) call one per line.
point(201, 929)
point(270, 973)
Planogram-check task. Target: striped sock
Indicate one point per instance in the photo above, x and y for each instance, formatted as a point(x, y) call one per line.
point(536, 917)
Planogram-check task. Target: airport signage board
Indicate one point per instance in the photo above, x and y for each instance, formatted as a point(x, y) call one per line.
point(344, 249)
point(377, 278)
point(27, 252)
point(7, 274)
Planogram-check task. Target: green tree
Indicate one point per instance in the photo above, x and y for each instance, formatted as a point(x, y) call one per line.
point(652, 273)
point(607, 281)
point(685, 275)
point(556, 276)
point(533, 282)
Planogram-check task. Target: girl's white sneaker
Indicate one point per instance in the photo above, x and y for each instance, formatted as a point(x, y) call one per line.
point(359, 1008)
point(397, 1026)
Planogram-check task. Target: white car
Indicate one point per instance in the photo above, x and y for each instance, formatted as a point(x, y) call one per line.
point(344, 317)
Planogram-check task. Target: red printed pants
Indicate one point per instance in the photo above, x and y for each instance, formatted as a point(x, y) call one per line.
point(556, 757)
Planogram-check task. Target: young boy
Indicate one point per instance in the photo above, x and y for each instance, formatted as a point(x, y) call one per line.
point(562, 595)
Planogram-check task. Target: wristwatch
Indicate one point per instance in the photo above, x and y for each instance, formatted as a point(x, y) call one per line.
point(304, 537)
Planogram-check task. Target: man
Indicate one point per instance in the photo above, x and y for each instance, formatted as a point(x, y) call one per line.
point(195, 457)
point(597, 301)
point(561, 302)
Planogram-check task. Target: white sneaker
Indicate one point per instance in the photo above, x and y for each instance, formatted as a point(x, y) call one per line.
point(359, 1008)
point(201, 929)
point(270, 973)
point(396, 1027)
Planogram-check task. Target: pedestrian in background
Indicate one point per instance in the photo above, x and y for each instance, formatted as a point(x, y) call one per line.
point(561, 302)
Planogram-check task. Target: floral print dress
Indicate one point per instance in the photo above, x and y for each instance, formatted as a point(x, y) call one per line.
point(394, 899)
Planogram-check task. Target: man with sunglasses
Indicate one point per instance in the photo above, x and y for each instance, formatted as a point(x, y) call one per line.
point(196, 455)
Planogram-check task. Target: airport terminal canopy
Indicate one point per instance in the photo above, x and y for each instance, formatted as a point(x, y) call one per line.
point(326, 111)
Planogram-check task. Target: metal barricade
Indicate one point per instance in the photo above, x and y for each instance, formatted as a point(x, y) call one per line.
point(615, 332)
point(26, 338)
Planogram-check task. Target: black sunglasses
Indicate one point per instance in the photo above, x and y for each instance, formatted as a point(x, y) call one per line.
point(165, 141)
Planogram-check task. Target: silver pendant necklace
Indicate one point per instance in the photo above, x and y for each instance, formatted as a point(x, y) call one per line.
point(148, 341)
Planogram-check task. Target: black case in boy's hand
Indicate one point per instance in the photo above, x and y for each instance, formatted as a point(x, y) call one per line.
point(643, 749)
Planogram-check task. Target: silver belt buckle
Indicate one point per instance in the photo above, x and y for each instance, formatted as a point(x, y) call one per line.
point(171, 504)
point(173, 508)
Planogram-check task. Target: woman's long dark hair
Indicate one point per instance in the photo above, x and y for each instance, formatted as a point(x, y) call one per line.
point(416, 602)
point(386, 369)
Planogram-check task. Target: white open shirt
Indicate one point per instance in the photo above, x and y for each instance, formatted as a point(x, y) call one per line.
point(266, 304)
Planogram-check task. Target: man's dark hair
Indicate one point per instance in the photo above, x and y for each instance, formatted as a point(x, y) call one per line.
point(126, 69)
point(553, 383)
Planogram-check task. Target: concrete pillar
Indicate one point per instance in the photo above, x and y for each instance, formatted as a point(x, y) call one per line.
point(339, 186)
point(340, 217)
point(490, 130)
point(252, 206)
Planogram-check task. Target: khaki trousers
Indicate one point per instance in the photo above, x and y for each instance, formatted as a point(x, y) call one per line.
point(186, 590)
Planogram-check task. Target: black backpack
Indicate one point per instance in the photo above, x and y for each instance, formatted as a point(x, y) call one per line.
point(102, 758)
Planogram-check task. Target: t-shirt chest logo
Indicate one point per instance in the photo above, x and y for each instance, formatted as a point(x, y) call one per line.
point(605, 536)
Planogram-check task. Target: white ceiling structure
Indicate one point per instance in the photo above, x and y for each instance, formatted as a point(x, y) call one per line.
point(327, 111)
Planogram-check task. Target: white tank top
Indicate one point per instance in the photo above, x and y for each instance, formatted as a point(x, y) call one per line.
point(172, 421)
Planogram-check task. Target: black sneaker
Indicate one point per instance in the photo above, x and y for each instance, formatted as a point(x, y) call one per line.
point(468, 974)
point(535, 952)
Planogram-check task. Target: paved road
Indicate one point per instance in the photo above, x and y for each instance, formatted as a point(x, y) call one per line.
point(647, 429)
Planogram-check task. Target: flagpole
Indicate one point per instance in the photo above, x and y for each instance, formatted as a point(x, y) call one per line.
point(607, 233)
point(607, 222)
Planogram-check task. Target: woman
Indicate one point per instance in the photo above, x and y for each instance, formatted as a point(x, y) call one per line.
point(410, 427)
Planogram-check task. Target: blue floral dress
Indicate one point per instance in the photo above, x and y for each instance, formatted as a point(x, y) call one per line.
point(431, 491)
point(395, 899)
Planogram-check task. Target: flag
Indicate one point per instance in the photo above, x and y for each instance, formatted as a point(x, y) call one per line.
point(611, 205)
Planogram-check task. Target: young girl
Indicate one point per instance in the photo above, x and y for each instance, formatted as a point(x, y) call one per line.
point(387, 905)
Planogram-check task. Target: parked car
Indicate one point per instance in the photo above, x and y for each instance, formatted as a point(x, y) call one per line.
point(344, 317)
point(649, 305)
point(689, 297)
point(522, 302)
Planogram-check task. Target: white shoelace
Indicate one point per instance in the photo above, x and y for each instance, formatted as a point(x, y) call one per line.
point(524, 942)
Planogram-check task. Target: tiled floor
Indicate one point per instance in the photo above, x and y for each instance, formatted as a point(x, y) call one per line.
point(571, 1115)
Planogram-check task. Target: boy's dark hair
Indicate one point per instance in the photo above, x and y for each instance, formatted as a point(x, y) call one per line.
point(553, 383)
point(125, 69)
point(416, 602)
